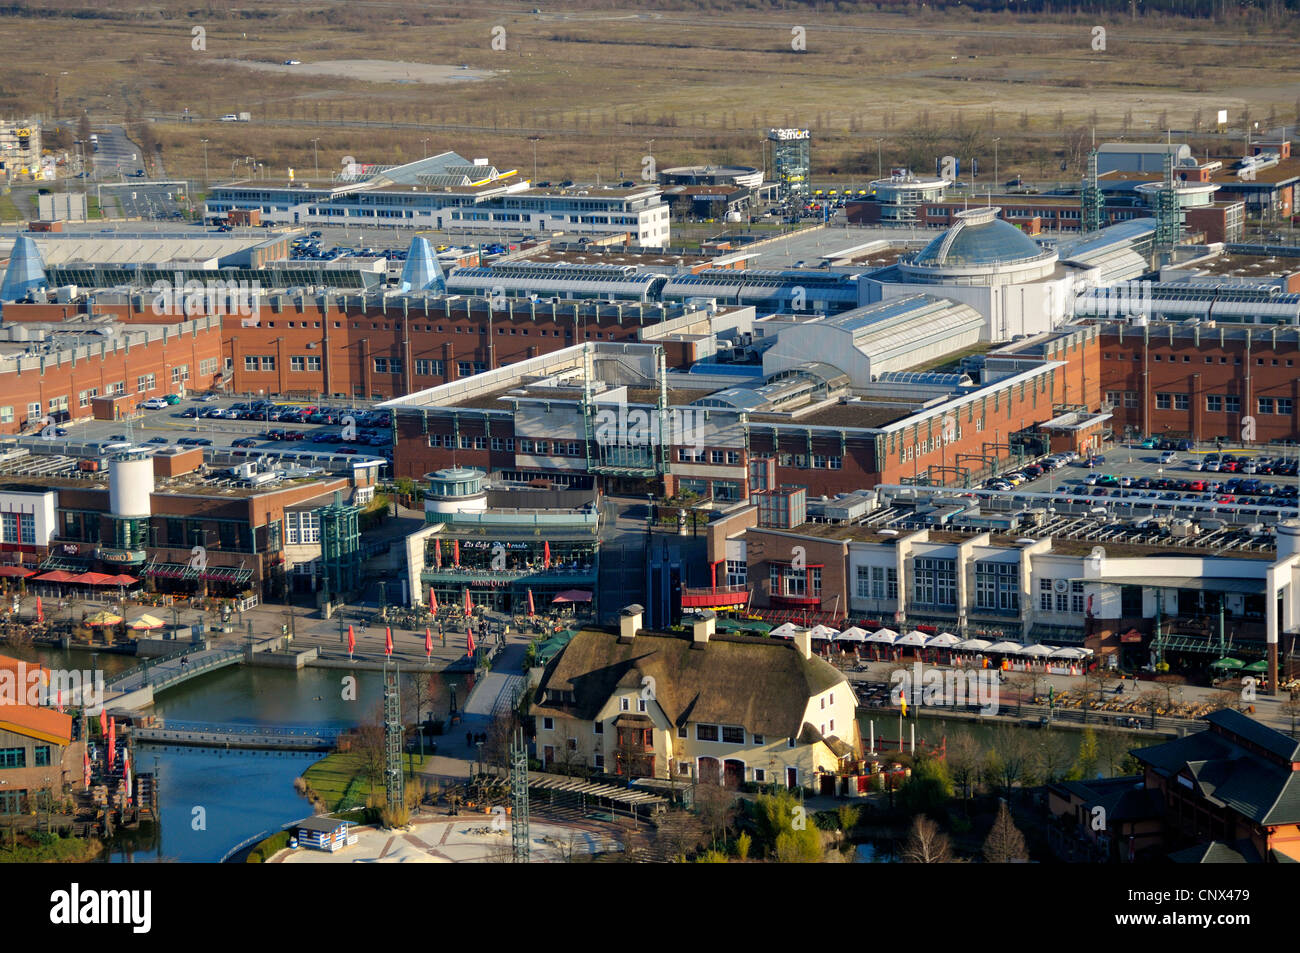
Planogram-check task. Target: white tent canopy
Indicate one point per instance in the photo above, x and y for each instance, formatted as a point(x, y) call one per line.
point(853, 634)
point(915, 637)
point(824, 632)
point(974, 645)
point(1070, 652)
point(1005, 648)
point(942, 641)
point(1037, 651)
point(887, 636)
point(785, 631)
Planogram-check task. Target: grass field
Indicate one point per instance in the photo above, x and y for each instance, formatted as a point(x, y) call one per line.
point(599, 84)
point(331, 776)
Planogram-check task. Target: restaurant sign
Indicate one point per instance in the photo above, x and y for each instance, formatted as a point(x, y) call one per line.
point(124, 557)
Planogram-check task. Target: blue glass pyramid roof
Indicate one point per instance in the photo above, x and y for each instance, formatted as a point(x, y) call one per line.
point(421, 272)
point(26, 270)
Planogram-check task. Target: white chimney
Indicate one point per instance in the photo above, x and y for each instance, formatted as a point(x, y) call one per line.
point(803, 642)
point(703, 626)
point(629, 622)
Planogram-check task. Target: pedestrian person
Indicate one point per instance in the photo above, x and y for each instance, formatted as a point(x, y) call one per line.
point(469, 740)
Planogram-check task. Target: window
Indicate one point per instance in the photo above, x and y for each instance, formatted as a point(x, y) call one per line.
point(1232, 403)
point(758, 739)
point(13, 758)
point(208, 366)
point(42, 753)
point(1114, 397)
point(681, 731)
point(935, 582)
point(1164, 401)
point(997, 587)
point(297, 362)
point(1182, 402)
point(1266, 405)
point(624, 704)
point(733, 735)
point(387, 365)
point(706, 732)
point(737, 573)
point(302, 527)
point(1130, 398)
point(1284, 405)
point(180, 372)
point(144, 383)
point(600, 761)
point(760, 775)
point(640, 705)
point(429, 368)
point(7, 414)
point(1213, 404)
point(548, 724)
point(1045, 595)
point(1076, 596)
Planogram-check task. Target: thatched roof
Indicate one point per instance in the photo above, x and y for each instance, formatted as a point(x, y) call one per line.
point(759, 683)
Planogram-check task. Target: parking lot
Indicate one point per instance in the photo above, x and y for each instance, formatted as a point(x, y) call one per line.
point(1136, 481)
point(188, 421)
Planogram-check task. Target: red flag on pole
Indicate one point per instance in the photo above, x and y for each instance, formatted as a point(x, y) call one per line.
point(469, 643)
point(40, 611)
point(103, 724)
point(428, 642)
point(455, 551)
point(112, 742)
point(126, 774)
point(531, 611)
point(60, 701)
point(546, 555)
point(433, 602)
point(388, 640)
point(437, 553)
point(352, 641)
point(469, 606)
point(85, 767)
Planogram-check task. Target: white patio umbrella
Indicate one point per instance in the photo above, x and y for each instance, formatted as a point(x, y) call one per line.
point(853, 634)
point(973, 645)
point(915, 638)
point(1005, 648)
point(824, 632)
point(1071, 653)
point(943, 640)
point(887, 636)
point(785, 631)
point(1037, 651)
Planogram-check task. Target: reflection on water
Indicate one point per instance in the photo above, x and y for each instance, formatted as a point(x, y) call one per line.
point(211, 800)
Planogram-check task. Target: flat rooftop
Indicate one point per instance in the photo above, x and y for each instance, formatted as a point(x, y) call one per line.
point(1247, 266)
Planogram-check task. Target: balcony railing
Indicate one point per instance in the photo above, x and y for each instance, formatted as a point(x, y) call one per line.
point(707, 597)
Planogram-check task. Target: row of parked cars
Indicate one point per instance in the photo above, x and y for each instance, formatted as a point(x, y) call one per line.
point(1247, 492)
point(1009, 481)
point(1231, 463)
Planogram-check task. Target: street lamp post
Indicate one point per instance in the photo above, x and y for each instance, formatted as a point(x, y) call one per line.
point(315, 155)
point(996, 140)
point(425, 143)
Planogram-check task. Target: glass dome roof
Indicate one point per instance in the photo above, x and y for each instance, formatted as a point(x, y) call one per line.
point(979, 238)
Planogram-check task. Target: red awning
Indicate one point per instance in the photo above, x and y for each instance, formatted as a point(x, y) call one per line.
point(121, 580)
point(573, 595)
point(20, 571)
point(94, 579)
point(58, 575)
point(1132, 635)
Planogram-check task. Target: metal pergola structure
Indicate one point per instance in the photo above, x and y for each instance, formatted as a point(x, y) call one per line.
point(594, 794)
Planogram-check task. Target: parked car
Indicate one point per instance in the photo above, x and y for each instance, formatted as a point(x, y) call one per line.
point(158, 440)
point(154, 403)
point(206, 398)
point(172, 398)
point(1168, 457)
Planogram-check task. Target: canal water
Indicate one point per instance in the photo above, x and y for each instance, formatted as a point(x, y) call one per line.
point(210, 800)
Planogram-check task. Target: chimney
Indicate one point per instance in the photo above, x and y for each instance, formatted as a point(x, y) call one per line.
point(803, 642)
point(629, 622)
point(703, 626)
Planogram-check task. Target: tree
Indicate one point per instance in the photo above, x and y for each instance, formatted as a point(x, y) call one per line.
point(716, 808)
point(799, 846)
point(926, 843)
point(1153, 702)
point(423, 693)
point(743, 843)
point(367, 744)
point(1010, 757)
point(1005, 844)
point(83, 127)
point(1085, 762)
point(1052, 759)
point(928, 788)
point(965, 758)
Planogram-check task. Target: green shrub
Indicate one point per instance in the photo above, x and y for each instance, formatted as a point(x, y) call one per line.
point(268, 847)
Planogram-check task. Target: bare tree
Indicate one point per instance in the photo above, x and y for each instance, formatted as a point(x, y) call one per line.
point(1010, 759)
point(926, 843)
point(1005, 844)
point(965, 758)
point(1052, 759)
point(423, 692)
point(716, 807)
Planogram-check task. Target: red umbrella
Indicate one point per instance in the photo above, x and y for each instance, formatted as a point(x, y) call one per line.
point(469, 606)
point(455, 551)
point(85, 767)
point(469, 643)
point(428, 642)
point(433, 601)
point(103, 724)
point(40, 612)
point(112, 742)
point(352, 641)
point(388, 640)
point(437, 553)
point(531, 611)
point(546, 555)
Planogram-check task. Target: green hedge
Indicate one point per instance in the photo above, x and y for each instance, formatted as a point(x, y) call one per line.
point(268, 848)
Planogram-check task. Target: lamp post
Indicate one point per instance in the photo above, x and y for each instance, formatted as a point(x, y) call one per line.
point(996, 140)
point(205, 162)
point(315, 155)
point(425, 143)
